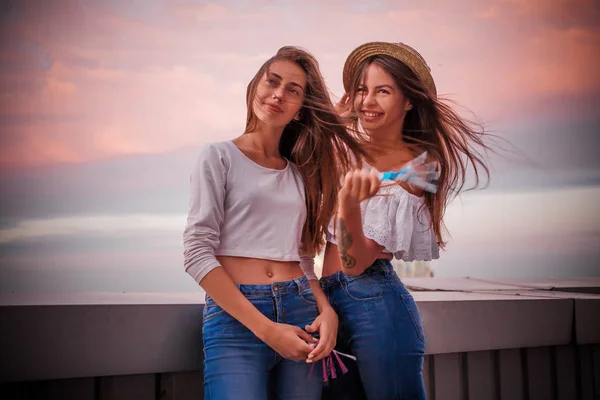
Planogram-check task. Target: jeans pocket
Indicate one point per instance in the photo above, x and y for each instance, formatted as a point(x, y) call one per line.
point(363, 288)
point(413, 311)
point(308, 296)
point(211, 310)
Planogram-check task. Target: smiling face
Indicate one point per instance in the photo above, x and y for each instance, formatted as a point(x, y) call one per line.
point(378, 102)
point(280, 93)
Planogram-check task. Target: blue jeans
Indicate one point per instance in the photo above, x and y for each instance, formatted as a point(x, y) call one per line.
point(380, 323)
point(238, 365)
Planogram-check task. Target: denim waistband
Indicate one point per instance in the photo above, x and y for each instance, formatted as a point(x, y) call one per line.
point(297, 285)
point(379, 267)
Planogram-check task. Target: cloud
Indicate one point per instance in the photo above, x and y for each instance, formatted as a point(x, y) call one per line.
point(146, 184)
point(529, 218)
point(103, 225)
point(541, 234)
point(547, 215)
point(216, 13)
point(553, 154)
point(85, 81)
point(103, 106)
point(562, 13)
point(120, 113)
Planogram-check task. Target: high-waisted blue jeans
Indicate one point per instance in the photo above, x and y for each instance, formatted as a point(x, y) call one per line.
point(238, 365)
point(381, 325)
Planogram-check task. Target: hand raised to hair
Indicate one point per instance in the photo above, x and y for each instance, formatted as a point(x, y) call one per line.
point(344, 109)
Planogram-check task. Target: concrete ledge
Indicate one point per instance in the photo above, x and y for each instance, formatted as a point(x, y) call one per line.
point(70, 341)
point(583, 285)
point(587, 321)
point(460, 322)
point(83, 335)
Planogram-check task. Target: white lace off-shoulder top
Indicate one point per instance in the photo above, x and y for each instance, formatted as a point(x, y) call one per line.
point(397, 220)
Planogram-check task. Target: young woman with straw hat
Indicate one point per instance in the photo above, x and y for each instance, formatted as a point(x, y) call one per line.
point(391, 102)
point(258, 211)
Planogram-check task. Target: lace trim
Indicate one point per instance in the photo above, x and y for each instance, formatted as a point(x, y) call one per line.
point(395, 220)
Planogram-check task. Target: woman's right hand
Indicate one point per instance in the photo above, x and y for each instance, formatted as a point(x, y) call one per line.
point(289, 341)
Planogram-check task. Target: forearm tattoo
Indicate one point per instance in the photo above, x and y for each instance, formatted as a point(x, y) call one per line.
point(344, 245)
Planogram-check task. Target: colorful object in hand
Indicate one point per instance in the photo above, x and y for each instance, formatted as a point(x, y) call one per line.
point(329, 367)
point(417, 172)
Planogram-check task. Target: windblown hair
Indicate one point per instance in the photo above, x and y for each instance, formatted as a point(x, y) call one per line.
point(432, 125)
point(318, 143)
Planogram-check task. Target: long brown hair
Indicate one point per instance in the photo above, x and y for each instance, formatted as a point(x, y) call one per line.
point(318, 143)
point(432, 125)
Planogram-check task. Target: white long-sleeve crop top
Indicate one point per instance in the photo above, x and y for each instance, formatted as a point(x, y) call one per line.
point(240, 208)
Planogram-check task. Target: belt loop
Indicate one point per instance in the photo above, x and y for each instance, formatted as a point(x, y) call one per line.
point(298, 285)
point(383, 267)
point(389, 267)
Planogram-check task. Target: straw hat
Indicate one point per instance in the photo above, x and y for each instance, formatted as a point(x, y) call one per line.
point(399, 51)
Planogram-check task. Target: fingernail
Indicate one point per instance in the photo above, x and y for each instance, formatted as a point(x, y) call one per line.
point(311, 356)
point(315, 339)
point(309, 361)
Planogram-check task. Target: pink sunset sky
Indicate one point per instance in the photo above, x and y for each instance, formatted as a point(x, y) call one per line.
point(103, 106)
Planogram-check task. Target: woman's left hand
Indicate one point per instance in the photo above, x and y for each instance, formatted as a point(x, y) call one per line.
point(359, 184)
point(327, 326)
point(344, 109)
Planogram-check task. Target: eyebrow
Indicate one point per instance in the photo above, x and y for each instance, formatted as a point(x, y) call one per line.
point(377, 87)
point(291, 83)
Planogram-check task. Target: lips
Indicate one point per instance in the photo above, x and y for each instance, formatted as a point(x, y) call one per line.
point(371, 115)
point(274, 107)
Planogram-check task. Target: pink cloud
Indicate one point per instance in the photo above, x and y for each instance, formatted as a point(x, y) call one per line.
point(557, 11)
point(117, 85)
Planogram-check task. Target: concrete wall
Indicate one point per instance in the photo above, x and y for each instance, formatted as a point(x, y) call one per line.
point(484, 342)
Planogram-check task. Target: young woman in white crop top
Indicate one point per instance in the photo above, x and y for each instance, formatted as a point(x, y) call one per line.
point(259, 208)
point(392, 102)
